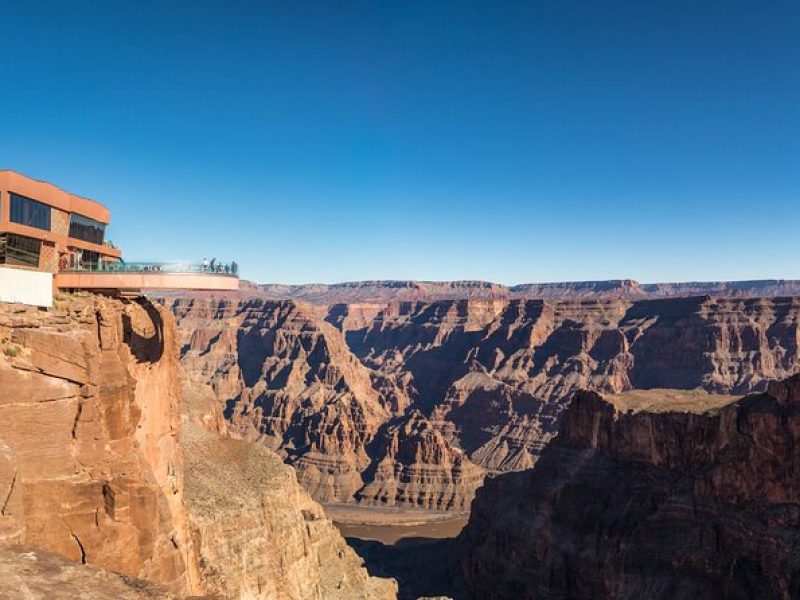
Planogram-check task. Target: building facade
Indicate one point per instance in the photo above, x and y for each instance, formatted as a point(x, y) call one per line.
point(51, 239)
point(47, 229)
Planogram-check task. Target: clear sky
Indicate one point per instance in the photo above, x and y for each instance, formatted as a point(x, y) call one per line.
point(506, 141)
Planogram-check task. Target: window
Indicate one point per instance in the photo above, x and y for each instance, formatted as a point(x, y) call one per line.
point(29, 212)
point(89, 259)
point(86, 229)
point(19, 250)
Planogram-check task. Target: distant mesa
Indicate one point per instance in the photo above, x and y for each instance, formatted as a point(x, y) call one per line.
point(408, 290)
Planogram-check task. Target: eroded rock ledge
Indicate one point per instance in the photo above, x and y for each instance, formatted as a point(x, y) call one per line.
point(90, 467)
point(633, 500)
point(28, 573)
point(92, 470)
point(256, 531)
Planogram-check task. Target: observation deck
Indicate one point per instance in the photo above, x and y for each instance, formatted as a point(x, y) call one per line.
point(141, 276)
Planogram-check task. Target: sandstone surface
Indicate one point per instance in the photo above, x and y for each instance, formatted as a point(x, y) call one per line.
point(90, 467)
point(257, 532)
point(28, 573)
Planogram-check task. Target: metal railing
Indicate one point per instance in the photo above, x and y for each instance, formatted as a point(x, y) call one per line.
point(230, 269)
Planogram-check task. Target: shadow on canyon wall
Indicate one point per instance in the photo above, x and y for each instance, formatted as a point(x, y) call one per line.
point(145, 349)
point(423, 567)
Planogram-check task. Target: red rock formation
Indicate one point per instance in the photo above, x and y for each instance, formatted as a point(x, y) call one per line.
point(654, 495)
point(417, 466)
point(407, 403)
point(92, 469)
point(28, 573)
point(89, 462)
point(256, 531)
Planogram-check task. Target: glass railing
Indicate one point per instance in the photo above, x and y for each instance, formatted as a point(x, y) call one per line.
point(230, 269)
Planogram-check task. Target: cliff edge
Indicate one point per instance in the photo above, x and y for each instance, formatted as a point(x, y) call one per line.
point(649, 495)
point(96, 467)
point(257, 532)
point(90, 467)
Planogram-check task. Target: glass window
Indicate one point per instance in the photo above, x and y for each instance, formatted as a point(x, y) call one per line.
point(89, 259)
point(29, 212)
point(19, 250)
point(86, 229)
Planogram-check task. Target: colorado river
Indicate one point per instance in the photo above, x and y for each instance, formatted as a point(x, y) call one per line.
point(388, 525)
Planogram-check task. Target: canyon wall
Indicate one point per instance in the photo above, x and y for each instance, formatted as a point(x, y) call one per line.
point(658, 494)
point(257, 532)
point(90, 467)
point(97, 467)
point(412, 403)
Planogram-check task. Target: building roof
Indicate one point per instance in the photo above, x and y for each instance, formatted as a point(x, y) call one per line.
point(52, 195)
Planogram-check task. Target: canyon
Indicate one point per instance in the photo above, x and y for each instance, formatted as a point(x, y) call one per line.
point(117, 478)
point(607, 447)
point(412, 404)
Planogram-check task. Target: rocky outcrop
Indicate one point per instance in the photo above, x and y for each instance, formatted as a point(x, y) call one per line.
point(90, 467)
point(411, 403)
point(659, 494)
point(28, 573)
point(92, 470)
point(416, 466)
point(257, 532)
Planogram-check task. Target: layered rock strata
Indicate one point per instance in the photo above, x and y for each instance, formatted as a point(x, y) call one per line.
point(411, 403)
point(90, 467)
point(92, 470)
point(648, 495)
point(389, 291)
point(28, 573)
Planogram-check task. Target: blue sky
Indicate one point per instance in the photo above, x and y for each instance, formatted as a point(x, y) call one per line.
point(505, 141)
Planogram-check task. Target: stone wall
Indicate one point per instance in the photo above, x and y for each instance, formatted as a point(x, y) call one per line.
point(59, 222)
point(48, 257)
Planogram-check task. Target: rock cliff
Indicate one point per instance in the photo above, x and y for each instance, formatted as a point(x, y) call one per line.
point(28, 573)
point(657, 494)
point(90, 467)
point(257, 532)
point(411, 403)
